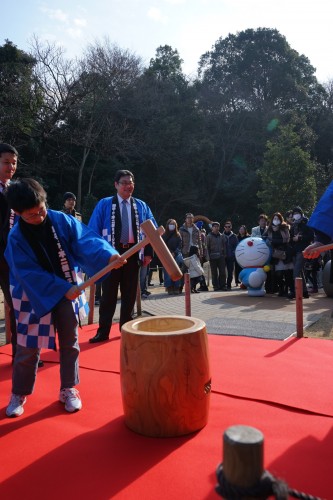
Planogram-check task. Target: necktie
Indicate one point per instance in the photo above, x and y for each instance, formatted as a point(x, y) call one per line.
point(124, 224)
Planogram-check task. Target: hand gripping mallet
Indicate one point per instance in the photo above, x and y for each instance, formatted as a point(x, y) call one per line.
point(153, 236)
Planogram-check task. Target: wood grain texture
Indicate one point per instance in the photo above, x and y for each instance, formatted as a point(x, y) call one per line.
point(164, 254)
point(243, 456)
point(165, 375)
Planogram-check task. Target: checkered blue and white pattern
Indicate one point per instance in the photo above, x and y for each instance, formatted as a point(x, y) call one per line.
point(80, 305)
point(31, 330)
point(36, 332)
point(106, 235)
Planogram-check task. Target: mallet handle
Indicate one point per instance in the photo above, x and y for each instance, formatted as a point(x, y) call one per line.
point(131, 251)
point(162, 251)
point(322, 248)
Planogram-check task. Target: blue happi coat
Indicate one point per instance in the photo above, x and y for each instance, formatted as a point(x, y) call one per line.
point(105, 219)
point(36, 292)
point(322, 216)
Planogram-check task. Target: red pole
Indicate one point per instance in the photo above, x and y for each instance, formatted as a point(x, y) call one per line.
point(187, 284)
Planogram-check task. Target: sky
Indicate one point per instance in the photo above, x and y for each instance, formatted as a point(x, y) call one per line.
point(190, 26)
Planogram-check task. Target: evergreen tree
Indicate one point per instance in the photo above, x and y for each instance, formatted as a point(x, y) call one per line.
point(287, 174)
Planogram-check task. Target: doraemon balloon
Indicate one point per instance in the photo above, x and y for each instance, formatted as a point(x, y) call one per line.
point(252, 254)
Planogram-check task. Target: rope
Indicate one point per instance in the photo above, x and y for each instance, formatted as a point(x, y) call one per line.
point(267, 486)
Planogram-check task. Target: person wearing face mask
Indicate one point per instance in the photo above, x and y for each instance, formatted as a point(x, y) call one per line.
point(301, 235)
point(277, 236)
point(173, 241)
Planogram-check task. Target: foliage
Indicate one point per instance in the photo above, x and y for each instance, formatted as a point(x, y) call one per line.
point(287, 174)
point(207, 146)
point(89, 204)
point(17, 99)
point(257, 70)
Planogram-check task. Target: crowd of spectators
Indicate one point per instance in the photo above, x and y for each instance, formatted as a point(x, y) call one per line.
point(287, 236)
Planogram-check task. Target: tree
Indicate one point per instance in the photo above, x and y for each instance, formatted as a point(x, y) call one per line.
point(167, 65)
point(257, 70)
point(17, 99)
point(101, 126)
point(79, 123)
point(171, 149)
point(287, 174)
point(55, 84)
point(249, 84)
point(322, 123)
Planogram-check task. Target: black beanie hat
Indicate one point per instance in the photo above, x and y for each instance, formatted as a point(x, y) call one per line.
point(297, 210)
point(69, 195)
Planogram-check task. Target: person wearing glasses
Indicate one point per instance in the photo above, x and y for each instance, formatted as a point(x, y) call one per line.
point(45, 249)
point(117, 219)
point(231, 243)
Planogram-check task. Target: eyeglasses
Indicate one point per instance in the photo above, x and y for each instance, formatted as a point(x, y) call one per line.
point(36, 214)
point(227, 227)
point(126, 183)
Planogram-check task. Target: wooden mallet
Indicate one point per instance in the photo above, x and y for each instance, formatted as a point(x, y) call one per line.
point(317, 250)
point(153, 236)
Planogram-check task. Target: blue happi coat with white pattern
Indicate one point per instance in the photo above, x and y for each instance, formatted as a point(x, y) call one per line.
point(35, 291)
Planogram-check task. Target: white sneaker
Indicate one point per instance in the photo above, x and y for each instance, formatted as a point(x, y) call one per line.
point(15, 407)
point(71, 397)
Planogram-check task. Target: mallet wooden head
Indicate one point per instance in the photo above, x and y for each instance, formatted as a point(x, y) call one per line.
point(159, 246)
point(153, 236)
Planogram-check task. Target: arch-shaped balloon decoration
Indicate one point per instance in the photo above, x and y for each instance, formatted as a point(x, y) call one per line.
point(203, 218)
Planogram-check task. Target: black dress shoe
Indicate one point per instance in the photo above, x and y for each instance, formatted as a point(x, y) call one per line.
point(99, 337)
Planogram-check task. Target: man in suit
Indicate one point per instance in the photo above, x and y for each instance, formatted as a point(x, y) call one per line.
point(8, 164)
point(117, 219)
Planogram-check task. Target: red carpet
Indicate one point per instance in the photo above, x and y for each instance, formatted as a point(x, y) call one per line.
point(285, 389)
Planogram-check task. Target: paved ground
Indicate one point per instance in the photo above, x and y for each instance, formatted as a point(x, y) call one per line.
point(236, 313)
point(233, 312)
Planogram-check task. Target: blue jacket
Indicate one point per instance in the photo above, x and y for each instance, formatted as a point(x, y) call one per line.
point(105, 219)
point(322, 216)
point(35, 291)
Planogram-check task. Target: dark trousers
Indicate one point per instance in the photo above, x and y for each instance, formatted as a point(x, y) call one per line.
point(127, 278)
point(238, 269)
point(26, 358)
point(152, 270)
point(4, 284)
point(230, 265)
point(217, 267)
point(194, 281)
point(312, 276)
